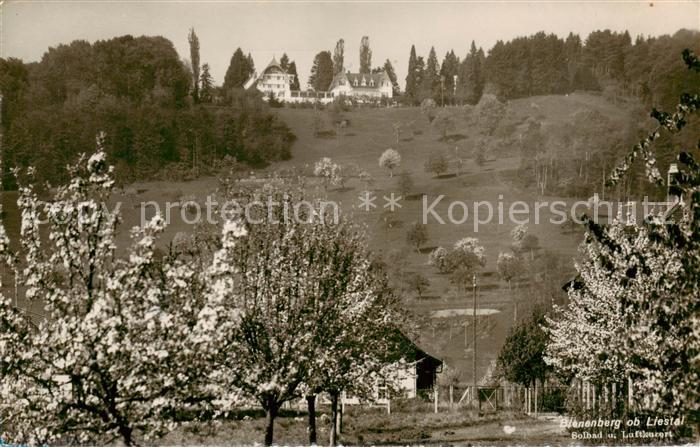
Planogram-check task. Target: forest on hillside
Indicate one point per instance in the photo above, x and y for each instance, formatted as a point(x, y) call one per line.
point(165, 119)
point(544, 64)
point(148, 102)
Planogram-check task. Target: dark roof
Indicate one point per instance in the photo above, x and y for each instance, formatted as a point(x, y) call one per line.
point(274, 67)
point(410, 351)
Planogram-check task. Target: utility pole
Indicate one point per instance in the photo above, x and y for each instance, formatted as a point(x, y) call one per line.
point(442, 90)
point(476, 392)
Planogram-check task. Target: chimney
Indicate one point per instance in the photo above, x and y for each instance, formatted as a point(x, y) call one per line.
point(671, 181)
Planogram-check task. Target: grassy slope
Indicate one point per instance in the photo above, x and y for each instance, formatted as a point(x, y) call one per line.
point(370, 133)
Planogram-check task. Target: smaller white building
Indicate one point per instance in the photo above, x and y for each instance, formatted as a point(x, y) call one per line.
point(362, 85)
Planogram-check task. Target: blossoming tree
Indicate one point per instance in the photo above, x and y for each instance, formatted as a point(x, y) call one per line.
point(390, 159)
point(109, 358)
point(291, 310)
point(639, 298)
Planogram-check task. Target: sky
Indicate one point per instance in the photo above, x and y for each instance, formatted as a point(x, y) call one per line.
point(303, 28)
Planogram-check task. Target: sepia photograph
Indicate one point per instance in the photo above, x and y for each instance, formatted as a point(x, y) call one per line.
point(349, 223)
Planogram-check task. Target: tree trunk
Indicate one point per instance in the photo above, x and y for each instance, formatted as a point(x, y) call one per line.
point(271, 414)
point(127, 436)
point(334, 418)
point(311, 405)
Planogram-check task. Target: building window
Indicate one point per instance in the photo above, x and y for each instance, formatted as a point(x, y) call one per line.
point(371, 82)
point(355, 83)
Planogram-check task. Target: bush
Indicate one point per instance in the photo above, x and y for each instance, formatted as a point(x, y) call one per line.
point(436, 163)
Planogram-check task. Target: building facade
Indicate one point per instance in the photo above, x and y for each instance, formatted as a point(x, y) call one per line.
point(273, 80)
point(276, 82)
point(362, 85)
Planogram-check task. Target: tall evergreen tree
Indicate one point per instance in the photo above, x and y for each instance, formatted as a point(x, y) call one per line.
point(572, 54)
point(206, 91)
point(292, 70)
point(322, 71)
point(448, 71)
point(430, 84)
point(339, 56)
point(365, 55)
point(420, 75)
point(284, 62)
point(471, 81)
point(194, 60)
point(412, 77)
point(251, 64)
point(239, 70)
point(389, 70)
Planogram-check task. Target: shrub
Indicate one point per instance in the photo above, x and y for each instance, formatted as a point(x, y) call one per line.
point(436, 163)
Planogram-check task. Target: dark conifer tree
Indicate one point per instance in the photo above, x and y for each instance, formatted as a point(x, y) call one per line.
point(412, 77)
point(339, 57)
point(322, 71)
point(430, 84)
point(389, 70)
point(239, 70)
point(293, 71)
point(365, 55)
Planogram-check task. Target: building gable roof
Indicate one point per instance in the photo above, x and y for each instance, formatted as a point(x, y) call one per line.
point(372, 80)
point(274, 67)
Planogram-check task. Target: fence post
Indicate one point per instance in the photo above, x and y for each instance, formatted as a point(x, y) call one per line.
point(436, 398)
point(595, 396)
point(629, 392)
point(527, 399)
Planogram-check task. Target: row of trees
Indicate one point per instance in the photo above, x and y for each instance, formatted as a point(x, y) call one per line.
point(129, 344)
point(543, 64)
point(154, 108)
point(453, 82)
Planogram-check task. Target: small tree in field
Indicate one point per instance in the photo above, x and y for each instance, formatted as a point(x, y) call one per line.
point(436, 163)
point(439, 258)
point(508, 267)
point(521, 359)
point(418, 283)
point(390, 159)
point(329, 171)
point(523, 241)
point(465, 259)
point(444, 122)
point(111, 358)
point(417, 235)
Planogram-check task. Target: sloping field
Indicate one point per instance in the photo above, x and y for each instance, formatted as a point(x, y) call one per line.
point(357, 148)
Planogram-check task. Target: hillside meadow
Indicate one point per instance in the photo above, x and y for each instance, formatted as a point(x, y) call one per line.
point(443, 313)
point(357, 148)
